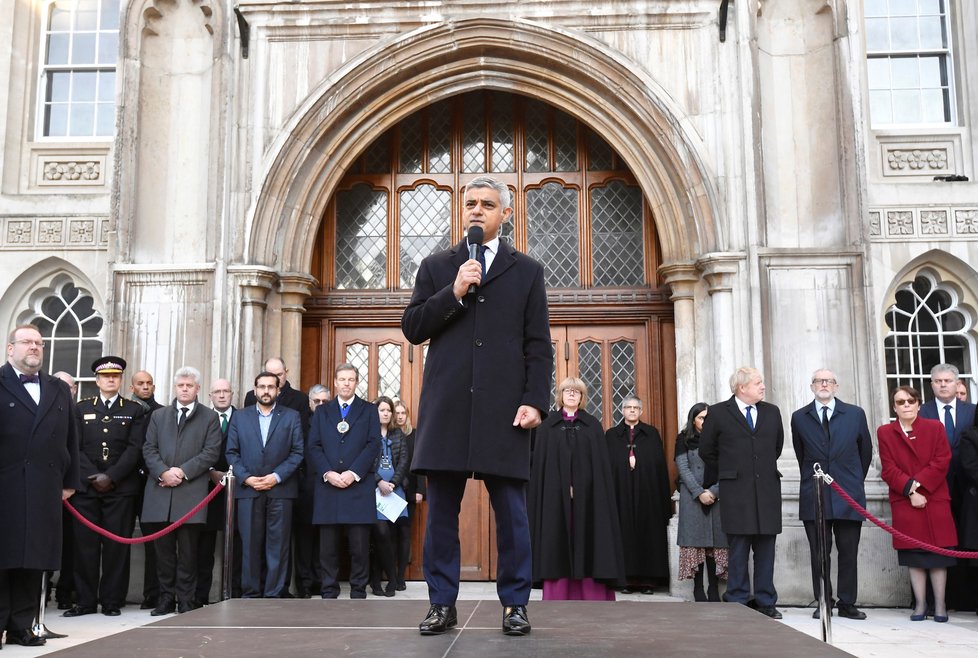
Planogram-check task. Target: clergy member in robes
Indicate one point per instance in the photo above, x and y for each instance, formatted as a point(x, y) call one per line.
point(641, 478)
point(574, 529)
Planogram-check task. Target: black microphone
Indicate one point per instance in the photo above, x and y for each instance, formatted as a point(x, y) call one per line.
point(475, 236)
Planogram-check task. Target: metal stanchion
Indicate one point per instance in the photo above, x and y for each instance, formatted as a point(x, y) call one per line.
point(226, 576)
point(824, 605)
point(39, 629)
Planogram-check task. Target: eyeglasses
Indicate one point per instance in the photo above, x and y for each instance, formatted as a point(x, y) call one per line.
point(319, 402)
point(824, 382)
point(35, 343)
point(904, 402)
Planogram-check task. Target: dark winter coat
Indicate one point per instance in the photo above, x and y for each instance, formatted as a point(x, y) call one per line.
point(38, 458)
point(968, 486)
point(643, 499)
point(746, 465)
point(487, 356)
point(577, 537)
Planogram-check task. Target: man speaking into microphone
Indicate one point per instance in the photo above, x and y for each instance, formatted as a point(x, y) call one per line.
point(486, 385)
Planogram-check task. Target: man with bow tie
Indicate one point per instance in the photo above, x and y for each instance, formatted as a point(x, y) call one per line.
point(38, 469)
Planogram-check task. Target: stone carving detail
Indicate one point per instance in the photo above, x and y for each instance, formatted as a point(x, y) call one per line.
point(20, 231)
point(933, 222)
point(103, 232)
point(50, 231)
point(917, 159)
point(81, 231)
point(874, 224)
point(899, 222)
point(154, 15)
point(966, 222)
point(72, 171)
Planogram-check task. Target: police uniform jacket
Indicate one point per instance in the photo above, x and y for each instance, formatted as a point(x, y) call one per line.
point(111, 443)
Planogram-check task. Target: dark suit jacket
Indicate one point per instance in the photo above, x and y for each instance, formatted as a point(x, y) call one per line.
point(194, 449)
point(846, 457)
point(485, 359)
point(356, 451)
point(38, 458)
point(281, 454)
point(964, 421)
point(746, 466)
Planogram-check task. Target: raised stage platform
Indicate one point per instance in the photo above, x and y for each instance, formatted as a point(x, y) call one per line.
point(384, 628)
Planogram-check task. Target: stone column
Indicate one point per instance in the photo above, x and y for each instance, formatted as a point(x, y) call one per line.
point(254, 284)
point(720, 270)
point(293, 288)
point(682, 279)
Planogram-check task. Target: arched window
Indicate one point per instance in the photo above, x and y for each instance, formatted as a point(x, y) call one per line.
point(78, 66)
point(927, 326)
point(70, 326)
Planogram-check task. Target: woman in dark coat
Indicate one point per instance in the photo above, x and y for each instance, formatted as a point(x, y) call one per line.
point(915, 455)
point(643, 497)
point(700, 538)
point(574, 528)
point(390, 469)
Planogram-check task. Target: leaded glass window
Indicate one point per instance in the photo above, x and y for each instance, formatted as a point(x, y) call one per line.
point(623, 380)
point(358, 355)
point(70, 325)
point(503, 148)
point(474, 138)
point(616, 235)
point(78, 70)
point(426, 219)
point(927, 326)
point(389, 370)
point(361, 238)
point(552, 237)
point(589, 367)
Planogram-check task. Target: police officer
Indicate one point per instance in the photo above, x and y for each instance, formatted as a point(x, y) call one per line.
point(112, 434)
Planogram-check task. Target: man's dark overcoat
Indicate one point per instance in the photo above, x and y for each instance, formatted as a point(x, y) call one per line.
point(356, 450)
point(194, 449)
point(488, 355)
point(845, 454)
point(746, 465)
point(38, 458)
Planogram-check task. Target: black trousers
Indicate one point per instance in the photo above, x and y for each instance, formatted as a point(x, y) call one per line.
point(65, 592)
point(358, 540)
point(305, 543)
point(20, 596)
point(102, 565)
point(176, 562)
point(847, 543)
point(402, 535)
point(384, 562)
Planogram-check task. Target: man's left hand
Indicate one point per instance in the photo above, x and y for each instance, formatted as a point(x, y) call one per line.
point(527, 417)
point(101, 482)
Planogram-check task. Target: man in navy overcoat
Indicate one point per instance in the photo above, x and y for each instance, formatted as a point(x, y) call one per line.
point(836, 436)
point(486, 385)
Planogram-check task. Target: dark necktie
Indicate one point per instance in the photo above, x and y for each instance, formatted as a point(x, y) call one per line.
point(750, 419)
point(482, 260)
point(224, 423)
point(108, 405)
point(825, 421)
point(949, 423)
point(34, 379)
point(183, 419)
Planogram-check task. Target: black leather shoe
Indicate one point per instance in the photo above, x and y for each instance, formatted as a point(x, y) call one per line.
point(78, 611)
point(24, 639)
point(165, 607)
point(147, 604)
point(186, 606)
point(515, 621)
point(851, 612)
point(110, 611)
point(771, 612)
point(440, 618)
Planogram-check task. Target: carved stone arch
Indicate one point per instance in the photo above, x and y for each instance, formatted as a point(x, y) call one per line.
point(602, 88)
point(947, 270)
point(41, 280)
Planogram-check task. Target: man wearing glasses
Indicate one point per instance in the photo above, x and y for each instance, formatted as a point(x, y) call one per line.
point(835, 435)
point(40, 455)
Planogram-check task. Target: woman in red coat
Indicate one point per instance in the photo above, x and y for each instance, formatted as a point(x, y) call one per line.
point(914, 454)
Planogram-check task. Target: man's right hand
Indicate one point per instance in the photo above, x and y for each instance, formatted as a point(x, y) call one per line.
point(470, 273)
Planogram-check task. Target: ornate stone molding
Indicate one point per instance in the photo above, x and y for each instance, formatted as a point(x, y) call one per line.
point(295, 287)
point(48, 232)
point(927, 223)
point(255, 282)
point(681, 279)
point(922, 156)
point(83, 169)
point(720, 269)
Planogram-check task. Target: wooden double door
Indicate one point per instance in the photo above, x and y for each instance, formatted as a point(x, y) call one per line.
point(614, 360)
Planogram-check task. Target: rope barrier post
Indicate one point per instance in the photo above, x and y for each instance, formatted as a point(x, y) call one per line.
point(226, 576)
point(39, 629)
point(825, 584)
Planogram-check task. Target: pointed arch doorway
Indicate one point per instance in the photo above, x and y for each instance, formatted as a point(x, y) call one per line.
point(580, 212)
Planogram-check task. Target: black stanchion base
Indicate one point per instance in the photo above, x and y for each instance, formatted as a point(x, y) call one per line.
point(254, 627)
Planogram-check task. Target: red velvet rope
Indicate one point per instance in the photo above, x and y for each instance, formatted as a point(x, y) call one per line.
point(146, 538)
point(896, 533)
